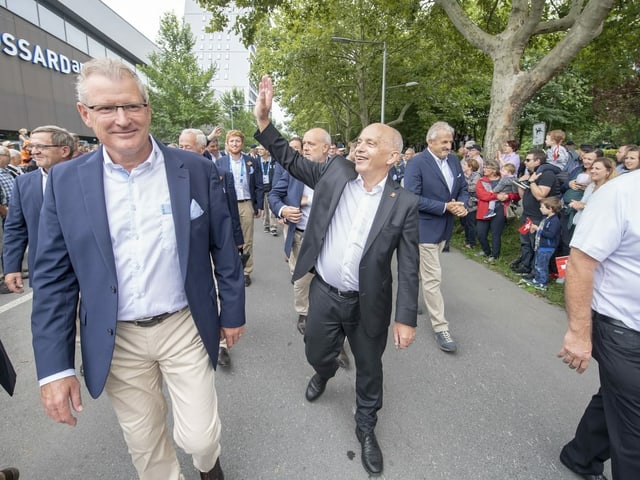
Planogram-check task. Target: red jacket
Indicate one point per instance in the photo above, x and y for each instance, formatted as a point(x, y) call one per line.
point(484, 197)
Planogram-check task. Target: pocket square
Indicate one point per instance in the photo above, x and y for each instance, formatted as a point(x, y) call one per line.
point(195, 210)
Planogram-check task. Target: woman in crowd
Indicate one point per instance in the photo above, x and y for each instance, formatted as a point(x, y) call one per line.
point(573, 189)
point(509, 155)
point(496, 223)
point(602, 170)
point(470, 168)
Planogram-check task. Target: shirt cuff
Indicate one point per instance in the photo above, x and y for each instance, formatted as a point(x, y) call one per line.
point(71, 372)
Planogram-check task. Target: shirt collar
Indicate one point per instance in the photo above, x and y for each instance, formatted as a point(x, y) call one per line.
point(152, 160)
point(378, 188)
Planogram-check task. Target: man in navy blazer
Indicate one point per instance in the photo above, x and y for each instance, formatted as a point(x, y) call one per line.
point(130, 233)
point(435, 175)
point(50, 145)
point(247, 179)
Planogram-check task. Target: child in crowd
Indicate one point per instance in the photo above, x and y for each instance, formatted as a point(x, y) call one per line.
point(547, 240)
point(505, 185)
point(557, 155)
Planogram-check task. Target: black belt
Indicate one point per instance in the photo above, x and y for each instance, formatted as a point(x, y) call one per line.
point(245, 200)
point(299, 230)
point(340, 293)
point(612, 321)
point(155, 320)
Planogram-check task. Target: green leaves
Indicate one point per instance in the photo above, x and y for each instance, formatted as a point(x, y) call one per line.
point(179, 91)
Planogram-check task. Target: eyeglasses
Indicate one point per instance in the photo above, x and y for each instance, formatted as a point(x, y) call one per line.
point(40, 146)
point(107, 110)
point(529, 160)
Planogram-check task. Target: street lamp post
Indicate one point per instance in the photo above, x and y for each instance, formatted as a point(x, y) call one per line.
point(408, 84)
point(384, 65)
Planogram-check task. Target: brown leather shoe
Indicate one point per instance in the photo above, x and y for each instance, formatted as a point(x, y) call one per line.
point(214, 474)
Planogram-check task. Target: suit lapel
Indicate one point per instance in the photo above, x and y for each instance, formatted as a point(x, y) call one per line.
point(90, 173)
point(432, 163)
point(387, 204)
point(178, 181)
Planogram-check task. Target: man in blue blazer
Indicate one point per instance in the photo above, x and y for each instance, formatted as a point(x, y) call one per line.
point(50, 145)
point(247, 179)
point(130, 233)
point(435, 175)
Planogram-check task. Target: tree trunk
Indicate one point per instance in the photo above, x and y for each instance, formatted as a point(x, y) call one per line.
point(512, 88)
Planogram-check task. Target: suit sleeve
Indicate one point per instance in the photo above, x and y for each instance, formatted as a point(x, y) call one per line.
point(16, 234)
point(55, 293)
point(279, 190)
point(227, 266)
point(408, 257)
point(232, 202)
point(306, 171)
point(258, 193)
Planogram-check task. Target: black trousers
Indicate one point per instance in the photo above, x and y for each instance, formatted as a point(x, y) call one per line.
point(496, 225)
point(610, 426)
point(331, 318)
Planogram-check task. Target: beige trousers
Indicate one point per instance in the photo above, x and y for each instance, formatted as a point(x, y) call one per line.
point(431, 277)
point(300, 286)
point(143, 359)
point(247, 216)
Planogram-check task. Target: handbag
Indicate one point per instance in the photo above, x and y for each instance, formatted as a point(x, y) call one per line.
point(512, 211)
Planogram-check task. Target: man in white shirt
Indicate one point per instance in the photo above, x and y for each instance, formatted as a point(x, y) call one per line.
point(603, 310)
point(129, 233)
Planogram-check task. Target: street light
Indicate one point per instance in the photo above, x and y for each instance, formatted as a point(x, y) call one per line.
point(408, 84)
point(384, 64)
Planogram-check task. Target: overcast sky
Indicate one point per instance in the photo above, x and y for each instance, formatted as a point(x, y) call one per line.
point(145, 14)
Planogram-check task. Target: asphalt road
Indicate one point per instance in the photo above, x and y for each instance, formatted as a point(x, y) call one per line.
point(500, 408)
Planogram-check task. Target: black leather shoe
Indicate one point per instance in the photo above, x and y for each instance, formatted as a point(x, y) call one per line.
point(224, 359)
point(315, 388)
point(302, 323)
point(343, 360)
point(247, 280)
point(214, 474)
point(586, 476)
point(371, 453)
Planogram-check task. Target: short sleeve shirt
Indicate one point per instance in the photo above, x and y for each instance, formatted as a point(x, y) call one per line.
point(609, 231)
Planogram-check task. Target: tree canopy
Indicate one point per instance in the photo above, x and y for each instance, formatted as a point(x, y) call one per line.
point(491, 68)
point(179, 90)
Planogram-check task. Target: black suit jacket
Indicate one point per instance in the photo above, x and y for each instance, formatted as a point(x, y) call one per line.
point(394, 229)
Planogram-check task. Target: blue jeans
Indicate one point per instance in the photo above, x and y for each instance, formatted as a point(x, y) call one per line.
point(542, 266)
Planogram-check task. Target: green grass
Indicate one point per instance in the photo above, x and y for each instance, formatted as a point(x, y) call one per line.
point(509, 252)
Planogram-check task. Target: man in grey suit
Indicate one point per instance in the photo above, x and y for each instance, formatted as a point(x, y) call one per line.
point(358, 220)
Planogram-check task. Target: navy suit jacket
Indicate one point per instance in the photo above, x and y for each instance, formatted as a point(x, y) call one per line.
point(21, 225)
point(75, 260)
point(254, 175)
point(423, 177)
point(286, 192)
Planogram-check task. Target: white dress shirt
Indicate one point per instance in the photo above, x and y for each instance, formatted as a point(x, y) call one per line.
point(143, 238)
point(339, 260)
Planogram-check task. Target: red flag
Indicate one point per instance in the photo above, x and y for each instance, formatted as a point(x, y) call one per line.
point(525, 228)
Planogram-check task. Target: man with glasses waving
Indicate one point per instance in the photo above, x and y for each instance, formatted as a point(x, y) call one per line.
point(131, 231)
point(49, 146)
